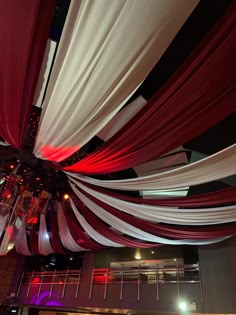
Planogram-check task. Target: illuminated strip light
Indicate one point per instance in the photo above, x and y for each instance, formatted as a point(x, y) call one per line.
point(180, 192)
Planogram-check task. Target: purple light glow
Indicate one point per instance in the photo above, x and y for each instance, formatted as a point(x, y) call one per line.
point(45, 300)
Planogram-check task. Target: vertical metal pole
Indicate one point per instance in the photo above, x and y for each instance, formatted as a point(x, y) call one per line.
point(200, 282)
point(77, 288)
point(157, 284)
point(91, 285)
point(15, 202)
point(21, 279)
point(64, 287)
point(139, 283)
point(121, 284)
point(40, 286)
point(177, 279)
point(52, 285)
point(106, 283)
point(29, 287)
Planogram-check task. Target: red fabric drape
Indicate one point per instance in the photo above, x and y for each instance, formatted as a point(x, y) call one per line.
point(54, 236)
point(76, 231)
point(200, 94)
point(34, 247)
point(219, 197)
point(24, 28)
point(167, 230)
point(105, 230)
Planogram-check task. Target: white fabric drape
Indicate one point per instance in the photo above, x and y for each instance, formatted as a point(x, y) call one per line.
point(130, 230)
point(90, 230)
point(44, 244)
point(4, 143)
point(121, 118)
point(107, 49)
point(4, 249)
point(214, 167)
point(64, 232)
point(21, 242)
point(171, 215)
point(3, 221)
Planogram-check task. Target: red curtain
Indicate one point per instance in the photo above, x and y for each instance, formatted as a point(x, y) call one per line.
point(200, 94)
point(55, 239)
point(24, 28)
point(76, 231)
point(106, 231)
point(219, 197)
point(167, 230)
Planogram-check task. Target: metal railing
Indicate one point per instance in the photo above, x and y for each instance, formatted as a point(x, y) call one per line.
point(104, 277)
point(53, 278)
point(175, 275)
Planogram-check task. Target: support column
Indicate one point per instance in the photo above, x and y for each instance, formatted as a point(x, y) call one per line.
point(218, 273)
point(85, 279)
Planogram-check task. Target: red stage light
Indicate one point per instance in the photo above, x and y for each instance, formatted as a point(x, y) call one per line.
point(8, 196)
point(32, 220)
point(36, 280)
point(12, 166)
point(66, 196)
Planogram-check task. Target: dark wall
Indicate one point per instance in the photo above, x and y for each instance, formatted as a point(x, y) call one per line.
point(218, 273)
point(10, 272)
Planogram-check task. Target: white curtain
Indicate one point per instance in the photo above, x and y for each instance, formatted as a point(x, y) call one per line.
point(3, 221)
point(4, 143)
point(90, 230)
point(130, 230)
point(214, 167)
point(107, 49)
point(44, 244)
point(21, 242)
point(64, 232)
point(121, 118)
point(171, 215)
point(4, 248)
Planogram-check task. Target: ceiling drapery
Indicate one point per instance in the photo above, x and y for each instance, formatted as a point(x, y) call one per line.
point(214, 167)
point(3, 220)
point(66, 238)
point(167, 230)
point(203, 87)
point(131, 230)
point(24, 32)
point(172, 215)
point(90, 230)
point(21, 241)
point(56, 241)
point(45, 247)
point(106, 50)
point(99, 65)
point(218, 197)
